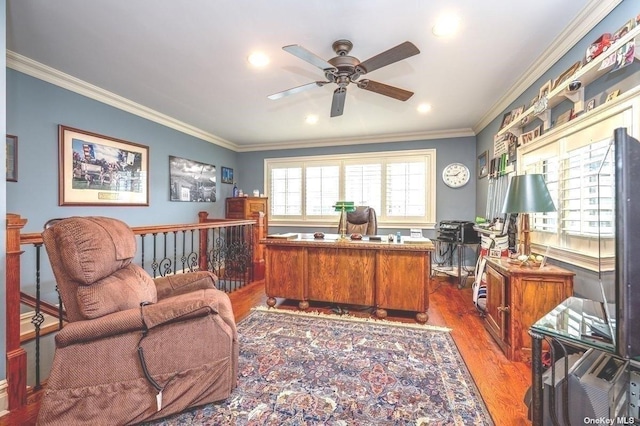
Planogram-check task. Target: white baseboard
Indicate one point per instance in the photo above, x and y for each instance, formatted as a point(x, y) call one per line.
point(4, 398)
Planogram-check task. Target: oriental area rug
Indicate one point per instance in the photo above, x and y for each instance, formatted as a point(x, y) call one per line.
point(316, 369)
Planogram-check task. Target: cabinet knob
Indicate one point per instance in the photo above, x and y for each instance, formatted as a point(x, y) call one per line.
point(502, 309)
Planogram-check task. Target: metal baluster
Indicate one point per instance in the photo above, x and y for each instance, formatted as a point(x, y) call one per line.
point(37, 318)
point(154, 262)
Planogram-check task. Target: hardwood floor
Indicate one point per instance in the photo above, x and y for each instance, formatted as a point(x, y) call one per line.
point(502, 383)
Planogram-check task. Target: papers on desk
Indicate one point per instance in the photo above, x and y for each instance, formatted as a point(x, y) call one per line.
point(285, 236)
point(412, 240)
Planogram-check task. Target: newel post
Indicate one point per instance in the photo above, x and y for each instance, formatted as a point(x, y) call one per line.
point(258, 249)
point(16, 356)
point(203, 217)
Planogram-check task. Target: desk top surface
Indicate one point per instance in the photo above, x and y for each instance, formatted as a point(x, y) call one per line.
point(334, 241)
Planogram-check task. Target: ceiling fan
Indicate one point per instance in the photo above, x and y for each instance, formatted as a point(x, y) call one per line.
point(344, 69)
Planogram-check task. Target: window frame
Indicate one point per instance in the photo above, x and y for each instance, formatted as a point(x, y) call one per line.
point(596, 126)
point(429, 158)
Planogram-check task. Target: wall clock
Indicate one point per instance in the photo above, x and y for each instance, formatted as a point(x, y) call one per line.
point(456, 175)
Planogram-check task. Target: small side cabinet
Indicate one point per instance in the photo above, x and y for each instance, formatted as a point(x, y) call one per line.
point(517, 296)
point(245, 207)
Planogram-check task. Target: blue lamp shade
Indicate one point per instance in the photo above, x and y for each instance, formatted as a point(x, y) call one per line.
point(528, 194)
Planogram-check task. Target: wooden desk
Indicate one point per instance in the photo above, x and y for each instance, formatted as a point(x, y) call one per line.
point(380, 274)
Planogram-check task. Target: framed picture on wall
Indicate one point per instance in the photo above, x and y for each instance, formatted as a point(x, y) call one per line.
point(191, 180)
point(98, 170)
point(12, 158)
point(227, 175)
point(483, 165)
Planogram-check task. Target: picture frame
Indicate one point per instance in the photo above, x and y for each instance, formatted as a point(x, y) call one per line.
point(226, 174)
point(12, 158)
point(98, 170)
point(545, 89)
point(483, 165)
point(612, 95)
point(191, 180)
point(567, 74)
point(506, 120)
point(591, 104)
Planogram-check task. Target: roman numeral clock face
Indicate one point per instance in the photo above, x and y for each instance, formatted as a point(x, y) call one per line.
point(456, 175)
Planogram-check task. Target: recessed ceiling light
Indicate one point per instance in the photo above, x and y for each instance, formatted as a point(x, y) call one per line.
point(258, 59)
point(446, 25)
point(424, 108)
point(311, 119)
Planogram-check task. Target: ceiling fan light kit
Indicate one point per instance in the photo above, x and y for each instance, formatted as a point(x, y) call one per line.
point(344, 69)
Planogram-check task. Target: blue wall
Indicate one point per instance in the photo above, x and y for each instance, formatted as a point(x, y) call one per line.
point(34, 111)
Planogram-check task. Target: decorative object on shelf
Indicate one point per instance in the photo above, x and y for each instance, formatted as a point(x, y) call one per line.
point(598, 47)
point(191, 180)
point(100, 170)
point(527, 137)
point(456, 175)
point(483, 165)
point(227, 174)
point(541, 105)
point(513, 143)
point(527, 194)
point(574, 85)
point(12, 158)
point(611, 96)
point(591, 104)
point(344, 207)
point(567, 74)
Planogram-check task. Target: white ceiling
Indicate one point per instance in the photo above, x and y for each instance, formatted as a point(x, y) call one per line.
point(184, 63)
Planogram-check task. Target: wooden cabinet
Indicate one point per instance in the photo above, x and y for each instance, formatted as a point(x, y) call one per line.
point(517, 296)
point(245, 207)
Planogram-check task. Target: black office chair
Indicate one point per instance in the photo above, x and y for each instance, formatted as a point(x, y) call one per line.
point(361, 221)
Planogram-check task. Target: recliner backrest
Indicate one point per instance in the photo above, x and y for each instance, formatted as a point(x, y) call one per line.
point(91, 261)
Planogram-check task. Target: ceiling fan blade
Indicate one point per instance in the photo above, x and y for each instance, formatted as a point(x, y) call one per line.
point(385, 89)
point(337, 105)
point(312, 58)
point(395, 54)
point(297, 89)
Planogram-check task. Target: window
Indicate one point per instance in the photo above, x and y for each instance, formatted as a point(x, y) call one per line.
point(399, 185)
point(579, 172)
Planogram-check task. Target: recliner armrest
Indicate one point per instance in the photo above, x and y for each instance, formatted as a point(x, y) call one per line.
point(180, 308)
point(173, 285)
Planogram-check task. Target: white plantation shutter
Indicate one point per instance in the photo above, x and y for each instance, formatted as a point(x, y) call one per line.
point(322, 190)
point(406, 189)
point(363, 183)
point(396, 184)
point(285, 195)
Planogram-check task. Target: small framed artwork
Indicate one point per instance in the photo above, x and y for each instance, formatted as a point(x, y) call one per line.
point(591, 104)
point(545, 89)
point(483, 164)
point(611, 96)
point(12, 158)
point(506, 119)
point(567, 74)
point(227, 175)
point(97, 170)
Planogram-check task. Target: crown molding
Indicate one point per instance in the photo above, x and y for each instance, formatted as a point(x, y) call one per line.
point(42, 72)
point(400, 137)
point(589, 17)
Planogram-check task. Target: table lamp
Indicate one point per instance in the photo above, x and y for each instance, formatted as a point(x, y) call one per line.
point(527, 194)
point(344, 207)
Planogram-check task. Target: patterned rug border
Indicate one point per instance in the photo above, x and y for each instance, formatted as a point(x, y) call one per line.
point(348, 317)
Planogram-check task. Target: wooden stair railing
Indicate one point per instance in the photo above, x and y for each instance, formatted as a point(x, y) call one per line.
point(16, 357)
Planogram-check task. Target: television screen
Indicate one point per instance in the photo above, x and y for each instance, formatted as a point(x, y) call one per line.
point(627, 244)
